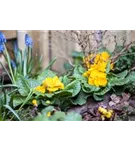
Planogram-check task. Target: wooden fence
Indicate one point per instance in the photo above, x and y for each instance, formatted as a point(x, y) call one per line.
point(51, 45)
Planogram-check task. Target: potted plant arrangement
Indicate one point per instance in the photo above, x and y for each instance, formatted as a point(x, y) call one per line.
point(99, 86)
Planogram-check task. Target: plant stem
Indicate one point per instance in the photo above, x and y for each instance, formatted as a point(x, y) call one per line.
point(9, 64)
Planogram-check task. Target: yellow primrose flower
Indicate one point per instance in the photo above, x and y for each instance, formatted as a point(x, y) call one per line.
point(94, 67)
point(102, 81)
point(97, 58)
point(86, 74)
point(40, 89)
point(96, 73)
point(105, 56)
point(91, 81)
point(102, 66)
point(48, 114)
point(34, 102)
point(53, 84)
point(89, 60)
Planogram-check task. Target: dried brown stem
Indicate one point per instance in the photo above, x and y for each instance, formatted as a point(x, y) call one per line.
point(126, 48)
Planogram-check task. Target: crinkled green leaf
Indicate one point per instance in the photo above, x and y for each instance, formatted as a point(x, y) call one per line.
point(80, 99)
point(118, 81)
point(74, 87)
point(47, 109)
point(23, 85)
point(89, 88)
point(33, 83)
point(41, 117)
point(45, 74)
point(98, 98)
point(78, 73)
point(49, 95)
point(121, 75)
point(65, 80)
point(58, 116)
point(72, 116)
point(131, 76)
point(103, 91)
point(81, 69)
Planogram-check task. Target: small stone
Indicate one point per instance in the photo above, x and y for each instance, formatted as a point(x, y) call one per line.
point(111, 103)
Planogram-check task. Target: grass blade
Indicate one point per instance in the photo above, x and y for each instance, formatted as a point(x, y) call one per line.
point(25, 63)
point(51, 63)
point(6, 71)
point(8, 85)
point(10, 109)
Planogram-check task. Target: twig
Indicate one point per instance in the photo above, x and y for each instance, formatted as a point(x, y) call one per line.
point(121, 53)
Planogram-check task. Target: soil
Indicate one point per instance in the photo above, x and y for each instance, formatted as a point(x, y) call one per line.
point(123, 108)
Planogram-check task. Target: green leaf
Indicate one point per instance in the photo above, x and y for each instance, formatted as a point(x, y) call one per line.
point(108, 68)
point(131, 76)
point(64, 93)
point(45, 74)
point(41, 117)
point(65, 80)
point(78, 71)
point(98, 98)
point(87, 88)
point(68, 66)
point(121, 75)
point(118, 81)
point(76, 54)
point(74, 87)
point(38, 93)
point(103, 91)
point(58, 116)
point(72, 116)
point(30, 66)
point(8, 98)
point(33, 83)
point(45, 103)
point(23, 85)
point(2, 101)
point(81, 99)
point(18, 100)
point(15, 114)
point(49, 95)
point(50, 64)
point(81, 69)
point(47, 109)
point(25, 63)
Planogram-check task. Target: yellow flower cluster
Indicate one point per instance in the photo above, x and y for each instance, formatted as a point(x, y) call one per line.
point(50, 85)
point(105, 113)
point(96, 65)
